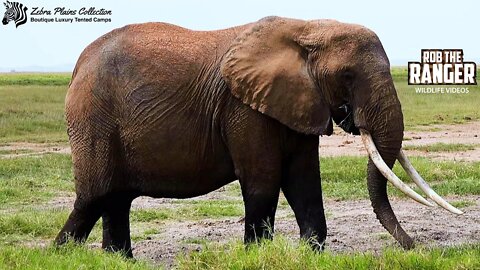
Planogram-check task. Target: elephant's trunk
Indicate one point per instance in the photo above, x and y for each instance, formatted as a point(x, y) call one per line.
point(381, 127)
point(385, 124)
point(377, 188)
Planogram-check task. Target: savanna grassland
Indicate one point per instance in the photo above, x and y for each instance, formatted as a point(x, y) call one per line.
point(37, 192)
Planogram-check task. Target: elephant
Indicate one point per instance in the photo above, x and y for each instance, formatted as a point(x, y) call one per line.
point(158, 110)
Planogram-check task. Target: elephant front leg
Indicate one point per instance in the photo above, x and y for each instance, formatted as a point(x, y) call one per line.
point(301, 185)
point(255, 145)
point(260, 206)
point(260, 184)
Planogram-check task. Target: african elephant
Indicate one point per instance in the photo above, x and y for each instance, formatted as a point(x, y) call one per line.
point(158, 110)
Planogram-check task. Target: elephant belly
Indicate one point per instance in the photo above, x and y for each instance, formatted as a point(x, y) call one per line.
point(171, 161)
point(173, 138)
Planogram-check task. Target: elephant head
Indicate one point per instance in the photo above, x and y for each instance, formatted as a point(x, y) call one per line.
point(302, 72)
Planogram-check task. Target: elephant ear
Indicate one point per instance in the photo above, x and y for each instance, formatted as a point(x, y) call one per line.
point(267, 69)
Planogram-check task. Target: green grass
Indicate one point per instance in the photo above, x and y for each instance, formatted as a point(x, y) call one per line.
point(192, 210)
point(146, 234)
point(277, 254)
point(196, 240)
point(211, 209)
point(32, 113)
point(442, 147)
point(399, 73)
point(62, 79)
point(431, 109)
point(344, 178)
point(29, 224)
point(29, 180)
point(67, 258)
point(282, 254)
point(463, 204)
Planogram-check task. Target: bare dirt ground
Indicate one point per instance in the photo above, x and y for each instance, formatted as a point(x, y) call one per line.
point(352, 226)
point(342, 144)
point(20, 149)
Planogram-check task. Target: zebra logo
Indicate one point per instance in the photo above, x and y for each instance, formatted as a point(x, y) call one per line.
point(16, 12)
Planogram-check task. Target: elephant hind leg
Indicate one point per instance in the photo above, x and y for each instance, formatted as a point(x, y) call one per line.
point(97, 161)
point(80, 222)
point(116, 225)
point(96, 171)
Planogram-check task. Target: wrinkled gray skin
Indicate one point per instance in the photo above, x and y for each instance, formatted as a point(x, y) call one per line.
point(162, 111)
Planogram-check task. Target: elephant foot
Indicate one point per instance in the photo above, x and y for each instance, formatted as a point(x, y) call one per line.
point(125, 251)
point(316, 245)
point(78, 226)
point(116, 226)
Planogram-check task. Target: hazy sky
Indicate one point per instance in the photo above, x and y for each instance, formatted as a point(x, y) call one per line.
point(404, 27)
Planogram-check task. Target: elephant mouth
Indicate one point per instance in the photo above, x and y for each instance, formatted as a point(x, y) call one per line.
point(347, 123)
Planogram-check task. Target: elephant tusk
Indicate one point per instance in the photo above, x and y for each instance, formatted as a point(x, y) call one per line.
point(385, 170)
point(423, 185)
